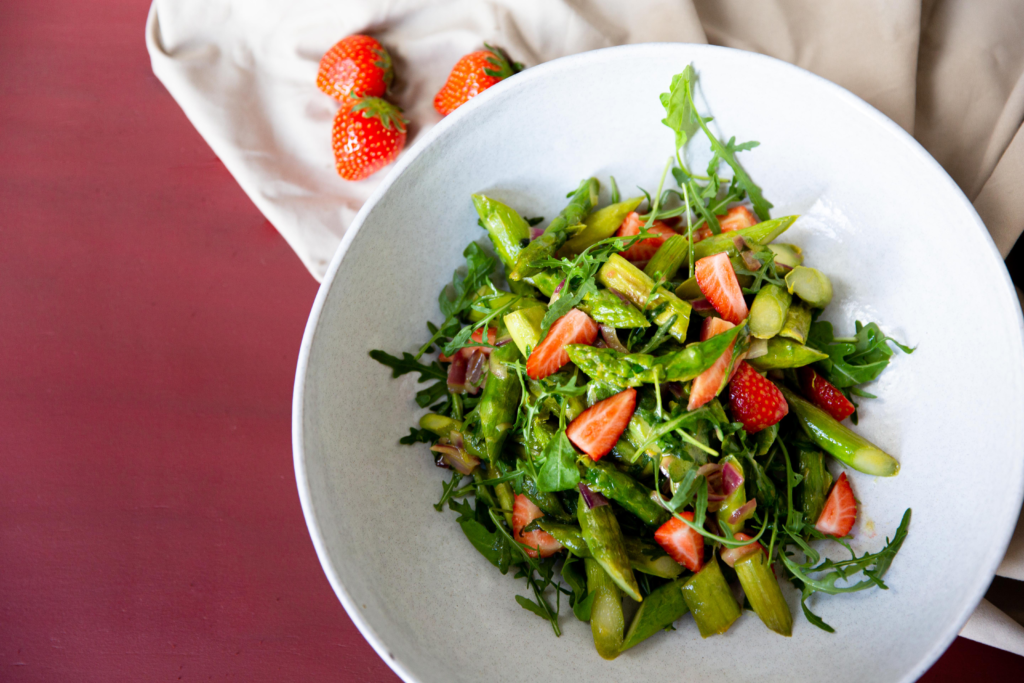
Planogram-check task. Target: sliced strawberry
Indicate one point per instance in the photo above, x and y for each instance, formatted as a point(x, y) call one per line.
point(643, 250)
point(524, 512)
point(717, 281)
point(477, 336)
point(737, 218)
point(706, 385)
point(733, 555)
point(683, 544)
point(754, 400)
point(598, 427)
point(575, 327)
point(840, 510)
point(701, 233)
point(823, 394)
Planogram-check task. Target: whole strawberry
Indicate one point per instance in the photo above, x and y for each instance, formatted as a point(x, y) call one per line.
point(473, 74)
point(367, 137)
point(356, 66)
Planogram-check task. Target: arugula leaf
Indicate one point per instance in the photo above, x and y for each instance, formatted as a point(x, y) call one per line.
point(679, 114)
point(687, 488)
point(856, 360)
point(528, 604)
point(726, 152)
point(490, 544)
point(447, 490)
point(417, 435)
point(559, 471)
point(581, 600)
point(408, 363)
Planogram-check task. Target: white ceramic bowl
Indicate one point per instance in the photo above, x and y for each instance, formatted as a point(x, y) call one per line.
point(903, 246)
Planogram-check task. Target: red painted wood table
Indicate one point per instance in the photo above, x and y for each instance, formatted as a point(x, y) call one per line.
point(150, 320)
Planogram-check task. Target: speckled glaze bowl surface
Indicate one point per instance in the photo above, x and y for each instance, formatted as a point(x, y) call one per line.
point(903, 246)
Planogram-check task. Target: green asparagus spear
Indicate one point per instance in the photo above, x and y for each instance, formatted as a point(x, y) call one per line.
point(503, 492)
point(768, 312)
point(840, 442)
point(709, 598)
point(568, 535)
point(606, 308)
point(643, 556)
point(624, 490)
point(606, 620)
point(505, 226)
point(506, 300)
point(620, 275)
point(601, 224)
point(649, 558)
point(669, 258)
point(558, 231)
point(811, 285)
point(634, 369)
point(604, 538)
point(660, 609)
point(603, 306)
point(499, 402)
point(524, 327)
point(786, 353)
point(814, 484)
point(762, 590)
point(787, 255)
point(798, 323)
point(620, 369)
point(735, 500)
point(761, 233)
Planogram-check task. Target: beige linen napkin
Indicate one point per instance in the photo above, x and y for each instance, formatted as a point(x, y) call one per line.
point(951, 72)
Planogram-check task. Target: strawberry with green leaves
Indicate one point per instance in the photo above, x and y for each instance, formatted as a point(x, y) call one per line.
point(367, 137)
point(356, 66)
point(473, 74)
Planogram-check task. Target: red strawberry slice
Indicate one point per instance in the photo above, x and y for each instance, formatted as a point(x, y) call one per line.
point(823, 394)
point(840, 510)
point(575, 327)
point(683, 544)
point(718, 283)
point(524, 512)
point(643, 250)
point(733, 555)
point(706, 385)
point(754, 400)
point(598, 427)
point(737, 218)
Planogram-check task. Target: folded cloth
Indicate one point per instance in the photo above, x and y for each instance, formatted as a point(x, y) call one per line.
point(951, 72)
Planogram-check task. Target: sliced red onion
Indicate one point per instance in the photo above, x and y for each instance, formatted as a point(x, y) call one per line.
point(593, 499)
point(716, 497)
point(558, 289)
point(457, 374)
point(611, 338)
point(701, 305)
point(733, 555)
point(750, 260)
point(536, 232)
point(676, 389)
point(739, 243)
point(757, 348)
point(457, 458)
point(732, 478)
point(455, 439)
point(475, 370)
point(505, 340)
point(440, 462)
point(709, 469)
point(744, 512)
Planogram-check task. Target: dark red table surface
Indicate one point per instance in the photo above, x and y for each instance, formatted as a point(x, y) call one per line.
point(150, 321)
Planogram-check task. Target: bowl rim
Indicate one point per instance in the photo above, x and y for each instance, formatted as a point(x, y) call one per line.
point(694, 50)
